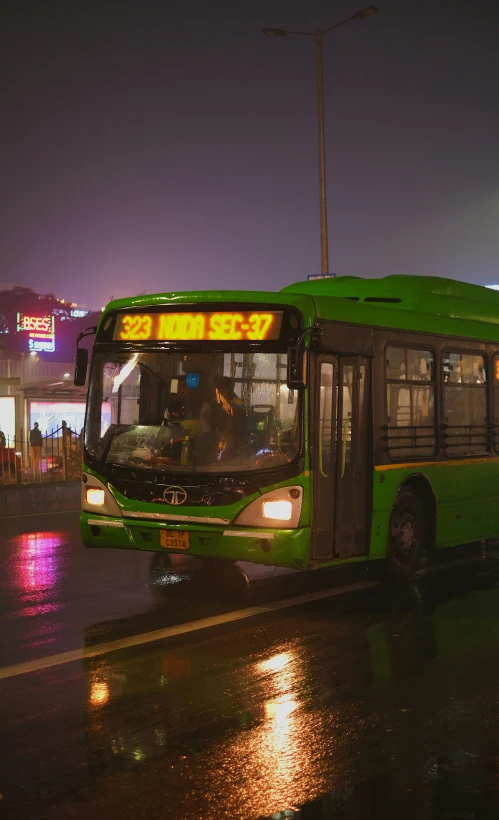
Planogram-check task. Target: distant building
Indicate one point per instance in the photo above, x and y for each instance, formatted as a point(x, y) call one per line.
point(42, 326)
point(32, 390)
point(37, 349)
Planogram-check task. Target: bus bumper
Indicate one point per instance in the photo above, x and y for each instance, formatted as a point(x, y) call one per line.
point(273, 547)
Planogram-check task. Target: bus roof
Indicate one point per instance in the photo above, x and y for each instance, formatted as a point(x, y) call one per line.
point(427, 304)
point(421, 303)
point(304, 303)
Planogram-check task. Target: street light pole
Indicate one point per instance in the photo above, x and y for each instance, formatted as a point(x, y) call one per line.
point(322, 156)
point(319, 34)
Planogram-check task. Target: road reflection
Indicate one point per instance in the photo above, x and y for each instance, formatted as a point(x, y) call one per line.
point(275, 746)
point(99, 692)
point(36, 570)
point(362, 710)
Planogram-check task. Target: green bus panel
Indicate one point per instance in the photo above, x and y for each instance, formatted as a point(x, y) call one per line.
point(466, 493)
point(286, 548)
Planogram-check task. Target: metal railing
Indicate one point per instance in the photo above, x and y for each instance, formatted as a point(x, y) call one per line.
point(58, 459)
point(447, 439)
point(28, 370)
point(10, 369)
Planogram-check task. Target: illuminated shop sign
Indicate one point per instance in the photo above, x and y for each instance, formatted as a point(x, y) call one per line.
point(220, 326)
point(78, 314)
point(40, 331)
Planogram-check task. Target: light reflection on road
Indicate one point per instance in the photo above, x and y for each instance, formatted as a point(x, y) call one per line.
point(37, 569)
point(275, 756)
point(279, 735)
point(99, 692)
point(270, 762)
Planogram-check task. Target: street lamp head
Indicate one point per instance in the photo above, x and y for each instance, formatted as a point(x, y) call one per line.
point(359, 15)
point(275, 32)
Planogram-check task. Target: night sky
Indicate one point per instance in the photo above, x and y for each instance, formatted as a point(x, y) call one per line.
point(156, 147)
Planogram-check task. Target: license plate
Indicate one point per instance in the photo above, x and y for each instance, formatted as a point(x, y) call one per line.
point(174, 539)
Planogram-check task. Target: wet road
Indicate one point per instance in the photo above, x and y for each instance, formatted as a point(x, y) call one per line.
point(375, 703)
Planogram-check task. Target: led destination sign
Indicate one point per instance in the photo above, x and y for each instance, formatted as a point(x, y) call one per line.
point(222, 326)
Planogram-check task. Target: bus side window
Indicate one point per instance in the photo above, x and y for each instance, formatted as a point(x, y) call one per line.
point(410, 402)
point(465, 403)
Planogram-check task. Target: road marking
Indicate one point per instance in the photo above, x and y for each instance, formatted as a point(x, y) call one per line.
point(172, 631)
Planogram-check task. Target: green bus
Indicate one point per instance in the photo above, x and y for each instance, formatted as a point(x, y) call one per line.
point(337, 420)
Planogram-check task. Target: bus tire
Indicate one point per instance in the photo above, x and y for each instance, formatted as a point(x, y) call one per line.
point(406, 536)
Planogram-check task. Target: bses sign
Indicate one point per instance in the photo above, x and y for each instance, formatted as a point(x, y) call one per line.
point(40, 331)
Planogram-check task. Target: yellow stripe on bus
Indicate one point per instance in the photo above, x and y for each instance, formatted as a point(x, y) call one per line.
point(381, 468)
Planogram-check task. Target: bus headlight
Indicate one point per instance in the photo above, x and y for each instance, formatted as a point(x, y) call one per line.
point(95, 497)
point(273, 509)
point(280, 510)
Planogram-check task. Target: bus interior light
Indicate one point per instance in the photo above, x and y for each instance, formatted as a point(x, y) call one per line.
point(95, 496)
point(279, 510)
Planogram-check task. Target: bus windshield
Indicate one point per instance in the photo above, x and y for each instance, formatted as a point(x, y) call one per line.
point(184, 412)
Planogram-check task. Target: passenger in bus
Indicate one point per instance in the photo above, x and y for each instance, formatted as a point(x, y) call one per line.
point(231, 409)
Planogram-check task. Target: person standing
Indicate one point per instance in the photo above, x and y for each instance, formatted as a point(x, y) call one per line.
point(35, 440)
point(66, 438)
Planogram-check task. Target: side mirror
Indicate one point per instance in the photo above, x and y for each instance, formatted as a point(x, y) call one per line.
point(82, 357)
point(81, 366)
point(297, 358)
point(297, 368)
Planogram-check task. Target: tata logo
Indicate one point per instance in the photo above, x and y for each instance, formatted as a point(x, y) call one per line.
point(175, 495)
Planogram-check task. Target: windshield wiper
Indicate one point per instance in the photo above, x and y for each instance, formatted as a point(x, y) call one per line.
point(113, 430)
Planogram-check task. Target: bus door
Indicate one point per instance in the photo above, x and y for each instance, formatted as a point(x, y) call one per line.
point(340, 466)
point(323, 465)
point(352, 463)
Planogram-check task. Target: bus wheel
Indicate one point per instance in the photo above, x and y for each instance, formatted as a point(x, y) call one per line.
point(405, 536)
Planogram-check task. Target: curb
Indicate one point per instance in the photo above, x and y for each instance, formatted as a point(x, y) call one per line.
point(36, 498)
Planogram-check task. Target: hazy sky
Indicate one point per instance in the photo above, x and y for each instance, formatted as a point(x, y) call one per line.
point(171, 146)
